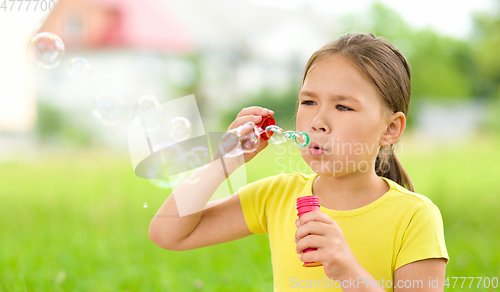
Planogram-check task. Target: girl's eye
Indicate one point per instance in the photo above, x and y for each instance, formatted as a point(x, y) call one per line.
point(308, 102)
point(343, 108)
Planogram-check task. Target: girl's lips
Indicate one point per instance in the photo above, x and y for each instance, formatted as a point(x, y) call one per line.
point(316, 152)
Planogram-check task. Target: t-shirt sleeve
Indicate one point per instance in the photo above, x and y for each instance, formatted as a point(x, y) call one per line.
point(254, 198)
point(424, 236)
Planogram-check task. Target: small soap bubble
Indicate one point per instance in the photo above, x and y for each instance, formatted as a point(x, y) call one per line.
point(108, 108)
point(174, 161)
point(261, 131)
point(198, 156)
point(249, 137)
point(301, 139)
point(243, 139)
point(148, 113)
point(145, 205)
point(46, 50)
point(276, 134)
point(79, 68)
point(180, 128)
point(228, 144)
point(288, 134)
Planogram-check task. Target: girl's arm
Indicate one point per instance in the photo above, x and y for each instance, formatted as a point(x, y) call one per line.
point(424, 275)
point(220, 223)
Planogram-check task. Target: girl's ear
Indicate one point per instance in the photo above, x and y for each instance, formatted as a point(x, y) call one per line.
point(396, 124)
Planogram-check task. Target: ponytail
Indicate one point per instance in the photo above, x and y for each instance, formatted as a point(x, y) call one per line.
point(388, 166)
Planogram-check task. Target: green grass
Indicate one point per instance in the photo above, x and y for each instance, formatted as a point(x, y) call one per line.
point(78, 223)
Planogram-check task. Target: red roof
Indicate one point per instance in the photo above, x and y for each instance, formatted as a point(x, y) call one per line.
point(144, 24)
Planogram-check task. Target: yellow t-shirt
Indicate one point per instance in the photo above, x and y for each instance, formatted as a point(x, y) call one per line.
point(396, 229)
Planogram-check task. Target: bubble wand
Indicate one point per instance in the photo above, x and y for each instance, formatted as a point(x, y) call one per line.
point(245, 138)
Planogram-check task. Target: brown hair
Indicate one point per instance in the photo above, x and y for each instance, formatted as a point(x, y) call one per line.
point(389, 70)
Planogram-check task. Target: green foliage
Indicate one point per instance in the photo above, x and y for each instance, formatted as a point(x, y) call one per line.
point(50, 121)
point(442, 67)
point(486, 42)
point(492, 116)
point(283, 104)
point(53, 126)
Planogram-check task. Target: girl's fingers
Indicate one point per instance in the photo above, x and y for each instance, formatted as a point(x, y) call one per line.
point(311, 241)
point(245, 119)
point(312, 227)
point(255, 111)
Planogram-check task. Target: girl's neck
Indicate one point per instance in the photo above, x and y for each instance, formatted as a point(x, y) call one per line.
point(349, 192)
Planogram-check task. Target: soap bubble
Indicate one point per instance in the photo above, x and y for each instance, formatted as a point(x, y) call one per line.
point(243, 139)
point(79, 68)
point(276, 134)
point(145, 205)
point(250, 141)
point(301, 139)
point(288, 134)
point(198, 157)
point(180, 128)
point(228, 143)
point(108, 108)
point(148, 113)
point(46, 50)
point(249, 137)
point(174, 160)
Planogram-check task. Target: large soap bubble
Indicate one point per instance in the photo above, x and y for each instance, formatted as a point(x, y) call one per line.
point(180, 128)
point(243, 139)
point(148, 113)
point(79, 68)
point(108, 108)
point(276, 134)
point(46, 50)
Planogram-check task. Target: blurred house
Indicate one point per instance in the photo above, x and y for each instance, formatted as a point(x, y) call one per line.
point(147, 48)
point(449, 122)
point(130, 45)
point(138, 48)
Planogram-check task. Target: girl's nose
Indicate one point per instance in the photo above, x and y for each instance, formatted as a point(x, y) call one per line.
point(320, 124)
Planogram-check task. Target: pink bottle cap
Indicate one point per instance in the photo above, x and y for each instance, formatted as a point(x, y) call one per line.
point(306, 209)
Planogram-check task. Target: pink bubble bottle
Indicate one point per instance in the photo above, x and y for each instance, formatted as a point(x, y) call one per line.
point(304, 205)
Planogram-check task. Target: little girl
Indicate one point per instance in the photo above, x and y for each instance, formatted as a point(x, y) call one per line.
point(372, 232)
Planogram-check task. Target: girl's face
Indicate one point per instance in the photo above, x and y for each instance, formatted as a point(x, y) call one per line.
point(345, 117)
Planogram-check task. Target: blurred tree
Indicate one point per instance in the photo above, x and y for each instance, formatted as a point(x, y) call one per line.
point(442, 67)
point(55, 128)
point(283, 104)
point(50, 121)
point(486, 42)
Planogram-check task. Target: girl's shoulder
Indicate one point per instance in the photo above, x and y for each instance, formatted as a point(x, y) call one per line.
point(406, 198)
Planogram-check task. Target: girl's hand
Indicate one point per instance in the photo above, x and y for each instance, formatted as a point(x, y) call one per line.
point(253, 114)
point(316, 229)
